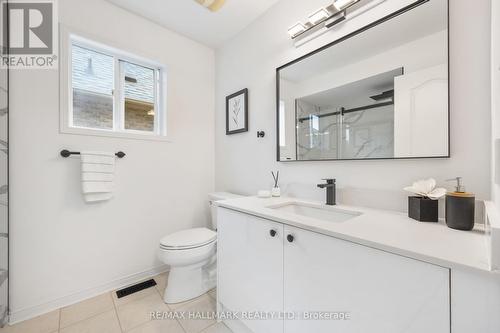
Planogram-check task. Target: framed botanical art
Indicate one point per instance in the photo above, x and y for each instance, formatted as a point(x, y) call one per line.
point(237, 112)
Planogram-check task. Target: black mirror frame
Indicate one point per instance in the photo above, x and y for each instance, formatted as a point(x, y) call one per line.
point(337, 41)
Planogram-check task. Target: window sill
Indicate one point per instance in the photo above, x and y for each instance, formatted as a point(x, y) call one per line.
point(113, 134)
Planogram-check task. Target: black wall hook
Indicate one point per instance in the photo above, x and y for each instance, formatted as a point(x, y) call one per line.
point(261, 134)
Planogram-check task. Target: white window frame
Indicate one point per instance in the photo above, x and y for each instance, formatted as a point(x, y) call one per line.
point(68, 39)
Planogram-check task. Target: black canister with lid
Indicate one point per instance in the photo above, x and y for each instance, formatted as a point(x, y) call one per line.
point(460, 208)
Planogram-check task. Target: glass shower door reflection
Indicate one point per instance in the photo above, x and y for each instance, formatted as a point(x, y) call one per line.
point(368, 134)
point(330, 132)
point(317, 132)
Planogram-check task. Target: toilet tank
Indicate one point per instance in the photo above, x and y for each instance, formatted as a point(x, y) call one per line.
point(218, 196)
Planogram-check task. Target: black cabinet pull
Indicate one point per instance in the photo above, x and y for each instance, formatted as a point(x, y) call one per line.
point(272, 233)
point(290, 238)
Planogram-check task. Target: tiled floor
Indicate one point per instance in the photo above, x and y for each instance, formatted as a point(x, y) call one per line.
point(108, 314)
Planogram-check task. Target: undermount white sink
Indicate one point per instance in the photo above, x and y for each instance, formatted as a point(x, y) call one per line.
point(320, 212)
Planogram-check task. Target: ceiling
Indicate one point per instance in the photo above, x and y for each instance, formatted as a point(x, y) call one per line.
point(355, 92)
point(196, 22)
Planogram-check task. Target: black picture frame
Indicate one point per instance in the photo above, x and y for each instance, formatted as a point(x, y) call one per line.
point(243, 92)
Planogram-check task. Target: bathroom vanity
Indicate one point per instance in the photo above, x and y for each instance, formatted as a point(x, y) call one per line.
point(292, 266)
point(348, 269)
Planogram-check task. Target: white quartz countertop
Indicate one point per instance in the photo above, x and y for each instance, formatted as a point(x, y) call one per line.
point(389, 231)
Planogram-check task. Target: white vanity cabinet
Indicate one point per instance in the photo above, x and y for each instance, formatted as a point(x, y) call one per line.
point(250, 268)
point(380, 291)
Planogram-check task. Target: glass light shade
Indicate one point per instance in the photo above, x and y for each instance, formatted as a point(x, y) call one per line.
point(342, 4)
point(296, 29)
point(318, 16)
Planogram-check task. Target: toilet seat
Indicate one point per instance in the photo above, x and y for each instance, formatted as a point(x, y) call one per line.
point(188, 239)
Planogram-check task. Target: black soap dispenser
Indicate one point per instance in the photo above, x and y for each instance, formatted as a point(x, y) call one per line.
point(460, 207)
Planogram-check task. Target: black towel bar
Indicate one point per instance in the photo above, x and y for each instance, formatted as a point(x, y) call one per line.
point(67, 153)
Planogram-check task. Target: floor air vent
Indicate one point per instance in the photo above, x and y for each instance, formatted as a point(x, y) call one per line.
point(135, 288)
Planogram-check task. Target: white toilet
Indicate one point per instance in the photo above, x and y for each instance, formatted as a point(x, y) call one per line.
point(191, 255)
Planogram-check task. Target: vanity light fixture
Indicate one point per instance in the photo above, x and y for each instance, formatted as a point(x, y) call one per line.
point(343, 4)
point(322, 19)
point(319, 16)
point(296, 29)
point(335, 19)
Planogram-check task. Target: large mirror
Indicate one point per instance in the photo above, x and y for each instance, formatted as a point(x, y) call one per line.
point(381, 93)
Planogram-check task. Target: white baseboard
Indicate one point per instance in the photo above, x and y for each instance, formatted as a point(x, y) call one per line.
point(34, 311)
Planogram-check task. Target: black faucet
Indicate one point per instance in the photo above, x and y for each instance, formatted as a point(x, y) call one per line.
point(331, 189)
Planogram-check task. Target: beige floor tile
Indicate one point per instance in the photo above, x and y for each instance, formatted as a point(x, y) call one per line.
point(133, 297)
point(46, 323)
point(86, 309)
point(217, 328)
point(161, 283)
point(159, 326)
point(106, 322)
point(202, 306)
point(139, 311)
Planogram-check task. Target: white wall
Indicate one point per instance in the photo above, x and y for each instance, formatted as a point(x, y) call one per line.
point(243, 162)
point(62, 249)
point(495, 99)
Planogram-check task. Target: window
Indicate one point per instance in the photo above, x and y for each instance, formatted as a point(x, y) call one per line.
point(93, 85)
point(140, 97)
point(113, 93)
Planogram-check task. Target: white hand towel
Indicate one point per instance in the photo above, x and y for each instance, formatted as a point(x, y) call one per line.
point(98, 168)
point(98, 158)
point(97, 187)
point(97, 175)
point(95, 197)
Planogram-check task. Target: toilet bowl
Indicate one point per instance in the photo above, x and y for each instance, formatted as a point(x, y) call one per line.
point(191, 255)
